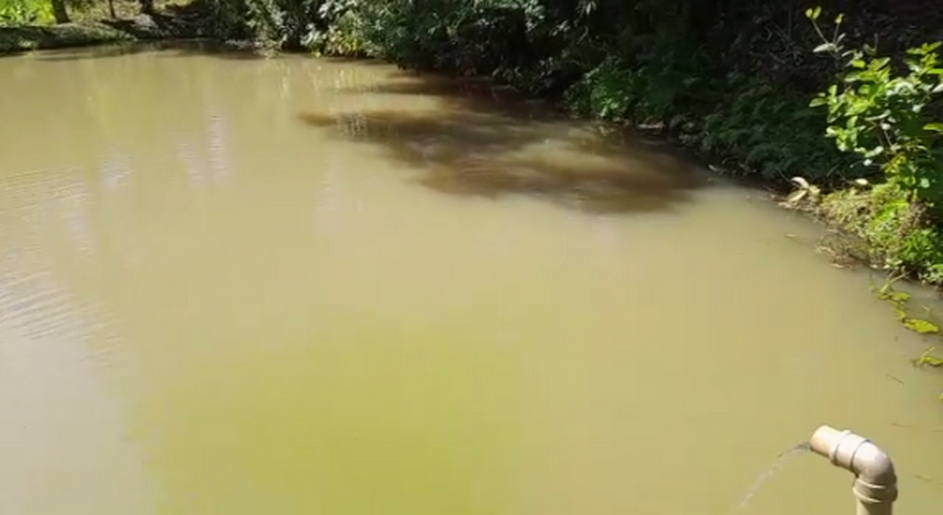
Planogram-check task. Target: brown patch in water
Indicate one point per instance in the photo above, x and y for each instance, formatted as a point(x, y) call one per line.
point(467, 150)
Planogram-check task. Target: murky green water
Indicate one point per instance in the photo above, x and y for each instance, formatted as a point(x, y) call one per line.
point(282, 286)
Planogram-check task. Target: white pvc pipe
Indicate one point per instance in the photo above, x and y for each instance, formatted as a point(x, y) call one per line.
point(875, 486)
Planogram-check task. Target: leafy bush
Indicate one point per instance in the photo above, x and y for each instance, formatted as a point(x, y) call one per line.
point(344, 34)
point(408, 33)
point(770, 131)
point(343, 37)
point(287, 24)
point(884, 114)
point(748, 123)
point(609, 91)
point(20, 12)
point(283, 23)
point(467, 38)
point(887, 118)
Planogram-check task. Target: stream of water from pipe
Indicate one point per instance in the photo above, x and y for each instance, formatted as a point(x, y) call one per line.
point(768, 474)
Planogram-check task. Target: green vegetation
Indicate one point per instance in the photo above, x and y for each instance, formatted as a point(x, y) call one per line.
point(887, 115)
point(929, 359)
point(17, 12)
point(899, 300)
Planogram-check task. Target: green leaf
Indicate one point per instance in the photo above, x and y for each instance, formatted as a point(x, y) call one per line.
point(901, 314)
point(927, 358)
point(825, 47)
point(921, 326)
point(818, 101)
point(899, 296)
point(894, 296)
point(935, 127)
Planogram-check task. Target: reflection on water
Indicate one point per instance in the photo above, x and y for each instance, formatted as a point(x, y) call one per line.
point(239, 285)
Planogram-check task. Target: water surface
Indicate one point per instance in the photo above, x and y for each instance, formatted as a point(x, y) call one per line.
point(294, 285)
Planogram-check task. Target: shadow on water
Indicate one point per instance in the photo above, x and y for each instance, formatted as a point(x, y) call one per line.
point(358, 61)
point(161, 48)
point(475, 94)
point(487, 142)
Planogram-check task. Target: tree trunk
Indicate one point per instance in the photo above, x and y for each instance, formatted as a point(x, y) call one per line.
point(59, 11)
point(111, 9)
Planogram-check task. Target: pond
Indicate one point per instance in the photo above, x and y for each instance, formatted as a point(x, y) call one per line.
point(241, 285)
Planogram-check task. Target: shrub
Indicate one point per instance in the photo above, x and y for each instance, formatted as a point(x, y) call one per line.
point(889, 119)
point(467, 38)
point(343, 37)
point(608, 91)
point(770, 131)
point(751, 125)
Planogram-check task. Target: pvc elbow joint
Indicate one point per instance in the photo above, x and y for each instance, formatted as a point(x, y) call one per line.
point(875, 479)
